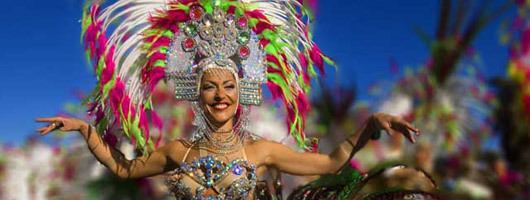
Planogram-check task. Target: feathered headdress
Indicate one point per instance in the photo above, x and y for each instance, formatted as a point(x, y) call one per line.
point(134, 44)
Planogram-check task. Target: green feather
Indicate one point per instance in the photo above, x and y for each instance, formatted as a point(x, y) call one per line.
point(278, 80)
point(270, 49)
point(99, 68)
point(137, 132)
point(207, 5)
point(102, 125)
point(107, 87)
point(160, 63)
point(252, 22)
point(148, 104)
point(183, 7)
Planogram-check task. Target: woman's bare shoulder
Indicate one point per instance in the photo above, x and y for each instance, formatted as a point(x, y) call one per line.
point(176, 149)
point(178, 146)
point(260, 143)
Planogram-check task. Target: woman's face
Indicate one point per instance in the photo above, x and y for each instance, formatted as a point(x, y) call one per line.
point(219, 95)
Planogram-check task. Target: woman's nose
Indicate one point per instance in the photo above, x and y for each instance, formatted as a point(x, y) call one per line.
point(217, 98)
point(219, 95)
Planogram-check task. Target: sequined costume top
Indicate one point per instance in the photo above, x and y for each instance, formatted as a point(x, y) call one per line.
point(208, 177)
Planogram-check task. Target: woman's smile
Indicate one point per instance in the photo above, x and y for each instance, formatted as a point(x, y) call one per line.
point(219, 95)
point(220, 106)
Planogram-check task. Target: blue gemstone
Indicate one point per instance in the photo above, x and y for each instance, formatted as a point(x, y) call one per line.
point(237, 170)
point(208, 165)
point(218, 56)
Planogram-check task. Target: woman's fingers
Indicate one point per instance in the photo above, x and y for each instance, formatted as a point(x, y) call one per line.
point(396, 125)
point(410, 136)
point(406, 129)
point(54, 123)
point(44, 130)
point(47, 119)
point(410, 126)
point(41, 130)
point(388, 129)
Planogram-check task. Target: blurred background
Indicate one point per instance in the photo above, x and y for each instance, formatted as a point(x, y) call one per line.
point(458, 69)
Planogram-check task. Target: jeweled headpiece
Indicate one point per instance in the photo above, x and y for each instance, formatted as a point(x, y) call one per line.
point(219, 38)
point(134, 44)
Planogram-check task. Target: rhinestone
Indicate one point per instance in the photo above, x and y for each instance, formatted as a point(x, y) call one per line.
point(218, 31)
point(243, 37)
point(244, 52)
point(204, 49)
point(229, 20)
point(207, 20)
point(242, 22)
point(190, 30)
point(208, 165)
point(196, 12)
point(188, 44)
point(231, 34)
point(218, 15)
point(206, 33)
point(237, 170)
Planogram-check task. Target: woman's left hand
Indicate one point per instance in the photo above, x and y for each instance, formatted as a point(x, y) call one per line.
point(393, 125)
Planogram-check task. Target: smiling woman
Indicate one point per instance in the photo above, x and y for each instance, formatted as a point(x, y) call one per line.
point(218, 54)
point(219, 97)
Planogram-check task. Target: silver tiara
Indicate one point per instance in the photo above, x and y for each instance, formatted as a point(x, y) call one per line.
point(219, 38)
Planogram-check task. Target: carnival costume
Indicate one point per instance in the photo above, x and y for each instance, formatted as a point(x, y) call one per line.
point(135, 44)
point(260, 42)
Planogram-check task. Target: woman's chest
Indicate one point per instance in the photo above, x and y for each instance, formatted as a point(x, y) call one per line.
point(214, 177)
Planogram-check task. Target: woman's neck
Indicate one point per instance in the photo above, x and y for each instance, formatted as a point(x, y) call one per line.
point(222, 131)
point(223, 138)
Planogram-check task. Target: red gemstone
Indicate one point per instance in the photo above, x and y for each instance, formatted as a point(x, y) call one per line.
point(188, 43)
point(242, 22)
point(196, 12)
point(244, 52)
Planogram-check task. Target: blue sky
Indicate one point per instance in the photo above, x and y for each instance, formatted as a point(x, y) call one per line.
point(42, 61)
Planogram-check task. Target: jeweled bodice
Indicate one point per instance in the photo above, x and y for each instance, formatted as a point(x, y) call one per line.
point(201, 178)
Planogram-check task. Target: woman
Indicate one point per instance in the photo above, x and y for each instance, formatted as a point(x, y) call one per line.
point(219, 99)
point(217, 54)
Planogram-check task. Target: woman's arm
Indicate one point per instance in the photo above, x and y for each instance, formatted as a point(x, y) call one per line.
point(155, 163)
point(287, 160)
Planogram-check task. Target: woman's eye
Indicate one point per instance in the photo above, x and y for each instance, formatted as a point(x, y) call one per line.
point(230, 86)
point(209, 87)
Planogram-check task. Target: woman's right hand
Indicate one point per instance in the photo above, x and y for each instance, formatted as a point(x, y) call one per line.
point(60, 123)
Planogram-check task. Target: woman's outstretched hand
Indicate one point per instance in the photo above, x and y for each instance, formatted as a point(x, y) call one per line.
point(393, 125)
point(60, 123)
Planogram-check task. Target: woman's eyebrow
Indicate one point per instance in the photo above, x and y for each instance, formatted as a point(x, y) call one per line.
point(209, 83)
point(228, 81)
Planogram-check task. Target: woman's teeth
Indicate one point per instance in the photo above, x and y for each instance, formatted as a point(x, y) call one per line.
point(220, 106)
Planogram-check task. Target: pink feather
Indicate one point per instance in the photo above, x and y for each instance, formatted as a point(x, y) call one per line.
point(155, 75)
point(116, 95)
point(157, 121)
point(261, 26)
point(108, 72)
point(155, 57)
point(144, 123)
point(264, 42)
point(275, 90)
point(316, 57)
point(303, 104)
point(125, 105)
